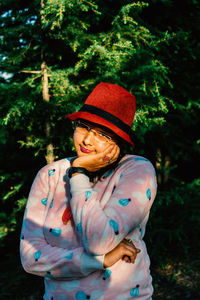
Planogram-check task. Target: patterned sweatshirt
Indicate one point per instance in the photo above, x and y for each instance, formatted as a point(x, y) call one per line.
point(69, 253)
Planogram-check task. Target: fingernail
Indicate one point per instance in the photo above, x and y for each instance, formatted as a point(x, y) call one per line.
point(106, 158)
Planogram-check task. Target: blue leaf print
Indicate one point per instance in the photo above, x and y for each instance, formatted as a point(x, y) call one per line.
point(113, 189)
point(106, 274)
point(44, 201)
point(81, 295)
point(88, 194)
point(51, 205)
point(140, 158)
point(71, 285)
point(85, 243)
point(25, 213)
point(114, 225)
point(148, 193)
point(135, 291)
point(55, 231)
point(62, 297)
point(37, 255)
point(124, 202)
point(97, 294)
point(107, 174)
point(70, 255)
point(48, 275)
point(140, 229)
point(94, 282)
point(79, 228)
point(51, 172)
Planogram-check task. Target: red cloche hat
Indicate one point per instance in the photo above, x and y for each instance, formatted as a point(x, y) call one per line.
point(109, 105)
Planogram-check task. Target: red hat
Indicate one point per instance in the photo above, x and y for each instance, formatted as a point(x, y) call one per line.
point(109, 105)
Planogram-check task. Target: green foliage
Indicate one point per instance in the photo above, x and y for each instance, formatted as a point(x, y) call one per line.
point(84, 43)
point(55, 13)
point(175, 217)
point(11, 202)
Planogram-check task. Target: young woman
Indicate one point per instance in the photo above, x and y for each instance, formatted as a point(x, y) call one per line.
point(86, 215)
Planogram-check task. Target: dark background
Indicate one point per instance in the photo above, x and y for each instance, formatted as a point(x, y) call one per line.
point(152, 49)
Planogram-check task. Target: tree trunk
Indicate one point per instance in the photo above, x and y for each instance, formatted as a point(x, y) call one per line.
point(45, 94)
point(159, 166)
point(162, 167)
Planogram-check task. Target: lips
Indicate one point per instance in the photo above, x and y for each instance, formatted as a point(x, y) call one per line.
point(85, 150)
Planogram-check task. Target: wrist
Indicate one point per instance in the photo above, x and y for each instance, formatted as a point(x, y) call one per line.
point(77, 170)
point(106, 262)
point(74, 174)
point(75, 165)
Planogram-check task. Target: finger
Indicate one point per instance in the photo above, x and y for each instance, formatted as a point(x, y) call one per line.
point(129, 242)
point(136, 250)
point(106, 158)
point(129, 258)
point(126, 258)
point(131, 245)
point(133, 250)
point(107, 151)
point(114, 153)
point(117, 152)
point(130, 252)
point(111, 155)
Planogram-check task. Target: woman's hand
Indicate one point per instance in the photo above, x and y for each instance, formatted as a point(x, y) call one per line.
point(94, 162)
point(126, 251)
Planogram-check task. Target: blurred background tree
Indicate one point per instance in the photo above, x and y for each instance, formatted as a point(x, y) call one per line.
point(54, 52)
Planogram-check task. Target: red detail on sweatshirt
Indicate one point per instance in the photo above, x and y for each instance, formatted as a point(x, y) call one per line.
point(67, 215)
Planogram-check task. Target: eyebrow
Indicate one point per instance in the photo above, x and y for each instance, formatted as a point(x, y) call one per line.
point(98, 128)
point(110, 133)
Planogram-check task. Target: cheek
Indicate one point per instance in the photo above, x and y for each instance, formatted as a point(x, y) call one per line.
point(101, 148)
point(77, 139)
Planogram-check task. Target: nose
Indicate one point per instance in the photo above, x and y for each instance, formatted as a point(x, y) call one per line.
point(88, 138)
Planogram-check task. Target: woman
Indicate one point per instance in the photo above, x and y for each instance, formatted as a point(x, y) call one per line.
point(86, 216)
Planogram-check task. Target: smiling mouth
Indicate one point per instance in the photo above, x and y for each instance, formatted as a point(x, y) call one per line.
point(85, 150)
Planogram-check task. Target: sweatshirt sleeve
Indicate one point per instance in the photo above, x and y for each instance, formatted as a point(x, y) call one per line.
point(37, 256)
point(102, 228)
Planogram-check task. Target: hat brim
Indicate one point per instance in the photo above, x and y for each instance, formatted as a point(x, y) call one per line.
point(98, 120)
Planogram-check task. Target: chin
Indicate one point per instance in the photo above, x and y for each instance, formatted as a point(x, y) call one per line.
point(80, 153)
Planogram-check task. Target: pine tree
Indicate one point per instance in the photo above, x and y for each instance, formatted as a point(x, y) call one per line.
point(56, 52)
point(75, 45)
point(178, 153)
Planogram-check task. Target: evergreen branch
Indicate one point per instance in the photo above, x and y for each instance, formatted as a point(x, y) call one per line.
point(14, 190)
point(29, 71)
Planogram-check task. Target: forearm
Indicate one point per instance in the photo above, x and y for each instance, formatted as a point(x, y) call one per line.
point(103, 228)
point(37, 255)
point(42, 259)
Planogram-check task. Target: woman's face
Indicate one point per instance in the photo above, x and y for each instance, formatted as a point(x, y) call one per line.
point(93, 139)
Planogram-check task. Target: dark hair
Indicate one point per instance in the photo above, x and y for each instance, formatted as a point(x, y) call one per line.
point(99, 174)
point(125, 148)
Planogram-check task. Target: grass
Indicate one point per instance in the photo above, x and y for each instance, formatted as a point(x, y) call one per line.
point(177, 279)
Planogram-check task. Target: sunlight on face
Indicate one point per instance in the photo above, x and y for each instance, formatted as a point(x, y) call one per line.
point(85, 142)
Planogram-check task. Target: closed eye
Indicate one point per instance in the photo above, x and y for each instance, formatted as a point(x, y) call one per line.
point(104, 135)
point(82, 125)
